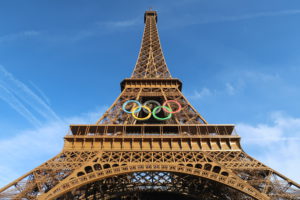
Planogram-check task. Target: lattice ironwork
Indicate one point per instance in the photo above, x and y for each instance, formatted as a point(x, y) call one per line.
point(142, 185)
point(116, 115)
point(123, 157)
point(151, 62)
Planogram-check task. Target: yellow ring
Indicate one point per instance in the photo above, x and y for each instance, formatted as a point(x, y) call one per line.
point(137, 118)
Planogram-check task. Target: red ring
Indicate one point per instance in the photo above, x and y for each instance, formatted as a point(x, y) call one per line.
point(174, 101)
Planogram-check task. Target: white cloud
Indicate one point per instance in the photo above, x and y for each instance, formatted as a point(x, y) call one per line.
point(189, 19)
point(244, 78)
point(259, 76)
point(99, 28)
point(19, 35)
point(246, 16)
point(125, 23)
point(94, 29)
point(12, 101)
point(40, 92)
point(30, 148)
point(204, 92)
point(239, 81)
point(277, 145)
point(30, 33)
point(121, 23)
point(22, 99)
point(230, 89)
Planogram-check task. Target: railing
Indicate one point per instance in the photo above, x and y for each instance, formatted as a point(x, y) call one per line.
point(151, 129)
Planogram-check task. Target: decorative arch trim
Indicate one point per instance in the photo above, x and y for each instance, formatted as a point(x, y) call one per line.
point(94, 175)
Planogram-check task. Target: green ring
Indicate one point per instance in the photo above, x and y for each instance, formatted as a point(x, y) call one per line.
point(159, 118)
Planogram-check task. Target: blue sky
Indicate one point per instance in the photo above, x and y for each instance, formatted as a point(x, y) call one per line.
point(61, 63)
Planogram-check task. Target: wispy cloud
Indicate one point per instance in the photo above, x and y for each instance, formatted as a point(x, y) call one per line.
point(19, 35)
point(41, 93)
point(235, 82)
point(246, 16)
point(22, 99)
point(230, 89)
point(204, 92)
point(189, 19)
point(30, 33)
point(227, 89)
point(276, 144)
point(92, 30)
point(120, 23)
point(30, 148)
point(99, 28)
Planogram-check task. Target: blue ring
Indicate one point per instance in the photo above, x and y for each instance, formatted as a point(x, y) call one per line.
point(132, 101)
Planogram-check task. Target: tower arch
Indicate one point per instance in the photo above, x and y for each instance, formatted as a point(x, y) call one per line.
point(221, 176)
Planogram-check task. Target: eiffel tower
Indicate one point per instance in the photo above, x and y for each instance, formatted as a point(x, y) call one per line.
point(152, 144)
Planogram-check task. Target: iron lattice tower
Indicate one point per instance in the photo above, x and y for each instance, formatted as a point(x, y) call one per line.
point(156, 155)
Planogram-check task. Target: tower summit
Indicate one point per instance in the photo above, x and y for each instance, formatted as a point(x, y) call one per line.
point(152, 144)
point(151, 62)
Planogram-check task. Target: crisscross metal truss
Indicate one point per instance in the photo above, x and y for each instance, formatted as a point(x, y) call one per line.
point(46, 176)
point(116, 115)
point(73, 171)
point(142, 185)
point(151, 62)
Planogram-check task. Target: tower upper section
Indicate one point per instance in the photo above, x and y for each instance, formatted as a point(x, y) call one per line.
point(151, 62)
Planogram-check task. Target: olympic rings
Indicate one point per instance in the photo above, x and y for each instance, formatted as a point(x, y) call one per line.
point(159, 118)
point(173, 101)
point(132, 101)
point(148, 111)
point(152, 102)
point(144, 118)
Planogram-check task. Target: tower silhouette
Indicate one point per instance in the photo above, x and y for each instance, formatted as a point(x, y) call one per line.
point(152, 144)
